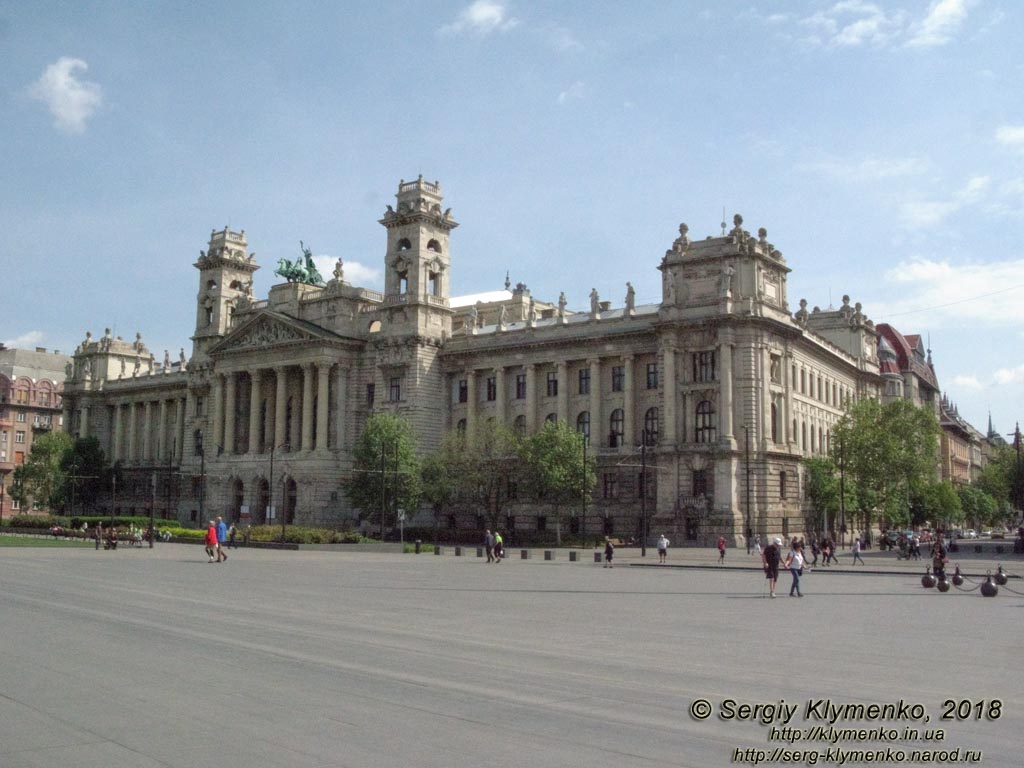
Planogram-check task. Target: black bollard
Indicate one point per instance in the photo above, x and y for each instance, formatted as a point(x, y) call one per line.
point(989, 588)
point(942, 585)
point(958, 578)
point(1000, 576)
point(928, 580)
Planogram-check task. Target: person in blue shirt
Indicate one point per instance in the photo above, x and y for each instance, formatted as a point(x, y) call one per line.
point(222, 538)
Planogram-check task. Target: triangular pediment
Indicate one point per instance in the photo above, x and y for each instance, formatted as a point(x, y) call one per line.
point(271, 329)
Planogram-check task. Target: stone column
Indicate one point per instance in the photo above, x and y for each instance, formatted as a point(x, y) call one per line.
point(670, 389)
point(341, 397)
point(132, 432)
point(598, 433)
point(764, 386)
point(726, 392)
point(161, 435)
point(147, 430)
point(307, 406)
point(230, 408)
point(280, 408)
point(323, 393)
point(217, 408)
point(179, 429)
point(629, 436)
point(531, 398)
point(563, 393)
point(255, 379)
point(118, 432)
point(470, 401)
point(499, 387)
point(83, 422)
point(788, 383)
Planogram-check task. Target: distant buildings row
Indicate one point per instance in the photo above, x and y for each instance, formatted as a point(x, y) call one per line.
point(720, 365)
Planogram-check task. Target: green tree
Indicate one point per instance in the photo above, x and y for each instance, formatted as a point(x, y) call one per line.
point(86, 474)
point(942, 504)
point(887, 450)
point(490, 468)
point(42, 478)
point(386, 471)
point(440, 476)
point(555, 469)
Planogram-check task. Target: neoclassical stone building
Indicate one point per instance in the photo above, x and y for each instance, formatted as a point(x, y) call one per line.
point(720, 378)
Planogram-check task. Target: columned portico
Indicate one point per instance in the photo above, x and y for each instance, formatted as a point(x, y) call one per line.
point(230, 407)
point(255, 379)
point(307, 406)
point(280, 407)
point(323, 383)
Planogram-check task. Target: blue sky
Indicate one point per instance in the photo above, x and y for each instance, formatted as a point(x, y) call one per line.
point(880, 143)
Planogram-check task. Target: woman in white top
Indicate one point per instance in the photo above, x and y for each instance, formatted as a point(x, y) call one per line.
point(795, 563)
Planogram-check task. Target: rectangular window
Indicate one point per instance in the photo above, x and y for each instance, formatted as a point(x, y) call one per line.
point(15, 504)
point(19, 437)
point(20, 417)
point(542, 523)
point(652, 375)
point(552, 384)
point(700, 482)
point(782, 485)
point(371, 391)
point(199, 406)
point(618, 378)
point(584, 381)
point(395, 389)
point(44, 398)
point(520, 386)
point(463, 390)
point(510, 523)
point(492, 389)
point(610, 485)
point(704, 366)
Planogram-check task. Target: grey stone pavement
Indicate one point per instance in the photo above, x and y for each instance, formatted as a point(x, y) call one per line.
point(141, 658)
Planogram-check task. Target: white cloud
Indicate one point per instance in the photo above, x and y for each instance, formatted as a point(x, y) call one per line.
point(940, 294)
point(355, 273)
point(70, 100)
point(481, 18)
point(944, 20)
point(561, 39)
point(967, 382)
point(927, 213)
point(1005, 376)
point(868, 169)
point(25, 341)
point(1011, 136)
point(574, 92)
point(852, 23)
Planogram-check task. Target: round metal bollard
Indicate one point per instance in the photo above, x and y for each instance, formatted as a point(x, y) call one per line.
point(942, 585)
point(419, 544)
point(1000, 576)
point(928, 580)
point(989, 588)
point(958, 578)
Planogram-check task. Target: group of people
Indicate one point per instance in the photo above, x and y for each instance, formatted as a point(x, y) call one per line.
point(494, 545)
point(218, 538)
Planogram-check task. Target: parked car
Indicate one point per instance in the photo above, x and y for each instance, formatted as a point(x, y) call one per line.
point(970, 533)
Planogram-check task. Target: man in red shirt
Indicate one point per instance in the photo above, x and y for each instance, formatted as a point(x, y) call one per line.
point(211, 540)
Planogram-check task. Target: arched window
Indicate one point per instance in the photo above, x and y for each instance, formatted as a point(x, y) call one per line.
point(551, 418)
point(651, 427)
point(583, 425)
point(374, 326)
point(434, 246)
point(460, 427)
point(821, 441)
point(803, 435)
point(705, 422)
point(618, 427)
point(404, 244)
point(775, 423)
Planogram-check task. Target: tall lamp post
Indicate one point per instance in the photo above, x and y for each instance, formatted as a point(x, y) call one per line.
point(643, 493)
point(3, 477)
point(746, 449)
point(583, 490)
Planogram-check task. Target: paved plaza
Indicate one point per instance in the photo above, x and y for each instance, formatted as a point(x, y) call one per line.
point(141, 658)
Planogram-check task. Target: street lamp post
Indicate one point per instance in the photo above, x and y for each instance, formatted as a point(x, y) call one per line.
point(842, 492)
point(3, 477)
point(643, 493)
point(583, 490)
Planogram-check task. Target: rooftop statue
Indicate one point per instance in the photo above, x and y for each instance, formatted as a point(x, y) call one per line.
point(302, 271)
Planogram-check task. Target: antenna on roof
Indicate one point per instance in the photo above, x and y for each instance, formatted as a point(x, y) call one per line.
point(723, 221)
point(508, 283)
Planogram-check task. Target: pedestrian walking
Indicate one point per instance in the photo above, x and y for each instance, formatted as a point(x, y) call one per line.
point(795, 564)
point(757, 545)
point(99, 535)
point(232, 532)
point(222, 539)
point(609, 552)
point(721, 550)
point(499, 547)
point(772, 557)
point(489, 545)
point(663, 549)
point(856, 552)
point(211, 540)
